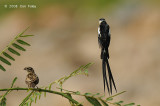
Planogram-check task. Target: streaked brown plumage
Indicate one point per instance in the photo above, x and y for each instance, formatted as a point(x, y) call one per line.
point(31, 79)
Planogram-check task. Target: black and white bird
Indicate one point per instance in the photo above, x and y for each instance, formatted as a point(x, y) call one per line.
point(104, 37)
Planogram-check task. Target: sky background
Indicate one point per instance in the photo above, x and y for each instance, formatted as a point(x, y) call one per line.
point(66, 38)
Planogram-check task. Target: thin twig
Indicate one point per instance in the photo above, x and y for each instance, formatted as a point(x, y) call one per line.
point(45, 90)
point(116, 94)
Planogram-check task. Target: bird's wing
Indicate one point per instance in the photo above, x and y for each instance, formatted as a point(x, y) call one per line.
point(99, 38)
point(99, 42)
point(32, 77)
point(107, 31)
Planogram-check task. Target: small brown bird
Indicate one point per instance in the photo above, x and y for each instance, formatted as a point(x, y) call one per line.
point(31, 79)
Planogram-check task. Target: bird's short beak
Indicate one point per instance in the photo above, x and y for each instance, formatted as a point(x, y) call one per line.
point(25, 68)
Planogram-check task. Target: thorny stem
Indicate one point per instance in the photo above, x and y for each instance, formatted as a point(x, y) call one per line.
point(45, 90)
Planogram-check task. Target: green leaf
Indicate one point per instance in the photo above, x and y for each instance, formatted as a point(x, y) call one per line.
point(93, 101)
point(23, 31)
point(35, 99)
point(50, 86)
point(86, 72)
point(13, 51)
point(109, 99)
point(2, 68)
point(23, 42)
point(4, 60)
point(130, 104)
point(26, 35)
point(37, 93)
point(13, 81)
point(31, 99)
point(40, 95)
point(119, 102)
point(8, 56)
point(3, 102)
point(77, 93)
point(30, 103)
point(45, 92)
point(27, 104)
point(86, 66)
point(18, 47)
point(87, 94)
point(104, 103)
point(96, 94)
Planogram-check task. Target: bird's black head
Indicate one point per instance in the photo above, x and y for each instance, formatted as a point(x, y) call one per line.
point(101, 20)
point(29, 69)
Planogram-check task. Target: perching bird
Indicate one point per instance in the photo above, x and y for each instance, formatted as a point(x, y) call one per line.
point(31, 79)
point(104, 42)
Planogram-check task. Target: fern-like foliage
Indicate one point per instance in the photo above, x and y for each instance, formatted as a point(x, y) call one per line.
point(82, 70)
point(16, 44)
point(3, 97)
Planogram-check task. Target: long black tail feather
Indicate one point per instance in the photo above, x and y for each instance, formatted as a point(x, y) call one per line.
point(105, 76)
point(111, 80)
point(104, 57)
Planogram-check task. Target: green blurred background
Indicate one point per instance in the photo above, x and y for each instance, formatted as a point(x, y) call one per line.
point(66, 37)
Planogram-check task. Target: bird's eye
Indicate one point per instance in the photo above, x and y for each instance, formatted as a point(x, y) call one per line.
point(30, 68)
